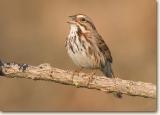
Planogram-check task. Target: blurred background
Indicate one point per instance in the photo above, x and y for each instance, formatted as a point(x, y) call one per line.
point(34, 32)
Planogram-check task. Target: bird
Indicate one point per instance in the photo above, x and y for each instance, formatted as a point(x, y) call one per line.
point(86, 47)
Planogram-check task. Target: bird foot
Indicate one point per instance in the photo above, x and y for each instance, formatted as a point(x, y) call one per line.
point(76, 72)
point(90, 78)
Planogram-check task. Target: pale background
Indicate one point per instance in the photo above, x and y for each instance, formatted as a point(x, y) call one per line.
point(34, 32)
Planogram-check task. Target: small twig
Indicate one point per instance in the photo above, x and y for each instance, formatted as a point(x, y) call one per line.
point(46, 72)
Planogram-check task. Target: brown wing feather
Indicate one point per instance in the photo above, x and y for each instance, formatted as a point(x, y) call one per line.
point(104, 49)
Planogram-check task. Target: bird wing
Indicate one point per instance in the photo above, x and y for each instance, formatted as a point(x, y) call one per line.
point(104, 48)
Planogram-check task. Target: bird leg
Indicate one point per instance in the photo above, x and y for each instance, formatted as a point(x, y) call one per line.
point(74, 73)
point(90, 78)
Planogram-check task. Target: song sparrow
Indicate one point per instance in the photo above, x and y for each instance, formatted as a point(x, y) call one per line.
point(86, 47)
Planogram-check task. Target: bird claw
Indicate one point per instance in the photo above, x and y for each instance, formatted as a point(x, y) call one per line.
point(74, 73)
point(90, 78)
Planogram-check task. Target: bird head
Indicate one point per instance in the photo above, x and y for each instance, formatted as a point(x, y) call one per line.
point(83, 22)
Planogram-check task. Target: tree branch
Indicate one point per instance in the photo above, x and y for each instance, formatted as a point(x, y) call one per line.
point(46, 72)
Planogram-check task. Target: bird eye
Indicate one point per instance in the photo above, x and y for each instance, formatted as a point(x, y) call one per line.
point(83, 19)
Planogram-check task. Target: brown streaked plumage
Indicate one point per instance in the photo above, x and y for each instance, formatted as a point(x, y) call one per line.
point(86, 47)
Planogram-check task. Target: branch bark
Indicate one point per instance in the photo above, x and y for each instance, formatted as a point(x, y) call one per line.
point(46, 72)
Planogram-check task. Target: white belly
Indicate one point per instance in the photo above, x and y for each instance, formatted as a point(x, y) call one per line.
point(81, 59)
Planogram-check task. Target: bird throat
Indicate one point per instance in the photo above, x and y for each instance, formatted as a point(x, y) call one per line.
point(73, 30)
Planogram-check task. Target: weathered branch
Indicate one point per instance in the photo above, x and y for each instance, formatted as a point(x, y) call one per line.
point(46, 72)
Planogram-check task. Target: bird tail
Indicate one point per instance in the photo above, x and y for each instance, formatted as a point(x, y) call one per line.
point(107, 69)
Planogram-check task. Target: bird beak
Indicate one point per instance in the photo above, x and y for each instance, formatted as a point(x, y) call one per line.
point(72, 20)
point(72, 17)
